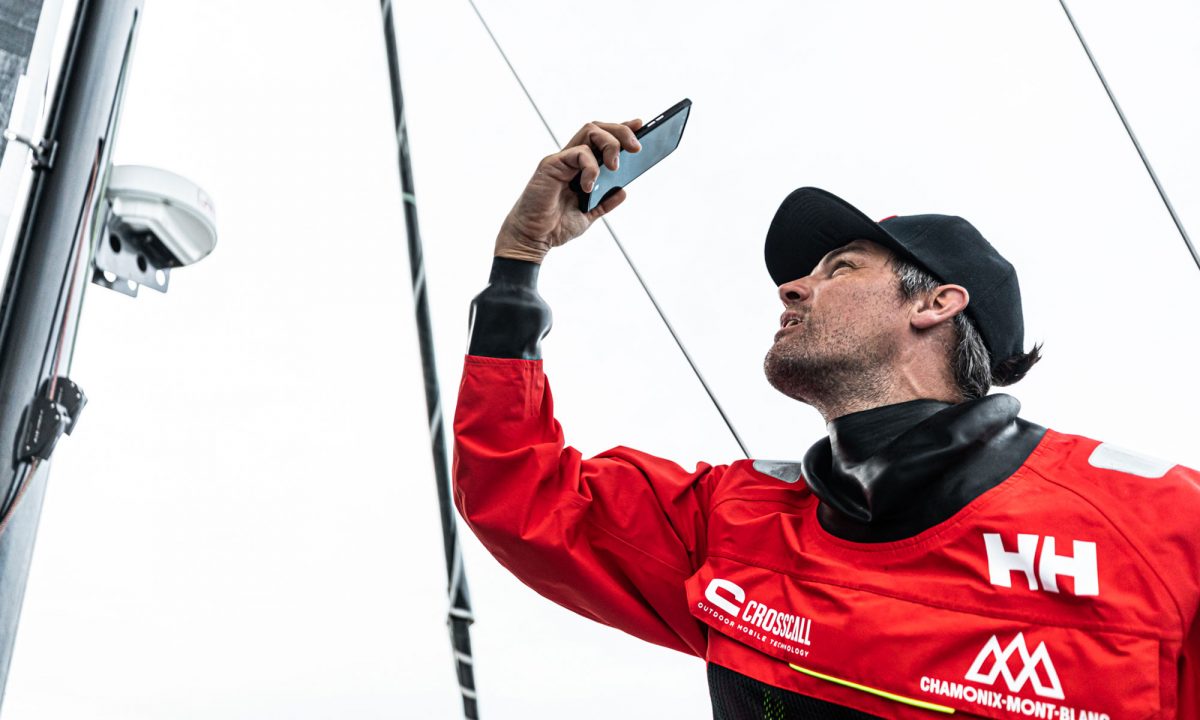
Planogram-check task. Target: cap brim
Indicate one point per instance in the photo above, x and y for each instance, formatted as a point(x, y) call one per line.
point(809, 224)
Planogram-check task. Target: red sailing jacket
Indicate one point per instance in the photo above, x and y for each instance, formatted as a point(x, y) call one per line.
point(1069, 591)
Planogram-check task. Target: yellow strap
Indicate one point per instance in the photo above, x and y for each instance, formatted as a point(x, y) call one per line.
point(875, 691)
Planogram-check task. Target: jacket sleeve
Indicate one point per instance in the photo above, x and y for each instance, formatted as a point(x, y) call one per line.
point(1189, 675)
point(1182, 510)
point(611, 537)
point(1172, 537)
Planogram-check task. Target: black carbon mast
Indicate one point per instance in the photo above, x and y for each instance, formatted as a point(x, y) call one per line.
point(46, 278)
point(459, 617)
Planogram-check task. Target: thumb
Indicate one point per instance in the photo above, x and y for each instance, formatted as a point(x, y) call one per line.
point(607, 205)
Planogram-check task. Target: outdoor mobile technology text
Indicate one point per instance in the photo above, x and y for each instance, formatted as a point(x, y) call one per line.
point(659, 138)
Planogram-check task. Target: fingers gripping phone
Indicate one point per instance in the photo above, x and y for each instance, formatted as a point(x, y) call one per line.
point(658, 138)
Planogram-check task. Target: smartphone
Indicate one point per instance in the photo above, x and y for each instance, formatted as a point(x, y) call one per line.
point(659, 138)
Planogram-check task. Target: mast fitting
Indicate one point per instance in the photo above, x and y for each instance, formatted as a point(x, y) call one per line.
point(53, 412)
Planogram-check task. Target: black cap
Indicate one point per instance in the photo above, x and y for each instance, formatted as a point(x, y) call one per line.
point(811, 222)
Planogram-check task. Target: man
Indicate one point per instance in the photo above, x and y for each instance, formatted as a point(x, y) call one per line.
point(934, 554)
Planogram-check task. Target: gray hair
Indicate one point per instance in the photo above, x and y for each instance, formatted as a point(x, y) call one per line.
point(970, 360)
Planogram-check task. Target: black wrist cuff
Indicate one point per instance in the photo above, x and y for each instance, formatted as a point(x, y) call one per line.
point(509, 318)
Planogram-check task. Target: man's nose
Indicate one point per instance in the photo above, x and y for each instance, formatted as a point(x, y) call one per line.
point(795, 291)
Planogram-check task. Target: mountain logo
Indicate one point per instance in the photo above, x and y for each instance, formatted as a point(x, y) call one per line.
point(1031, 668)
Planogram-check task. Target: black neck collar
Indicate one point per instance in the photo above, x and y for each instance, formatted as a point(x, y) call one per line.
point(858, 436)
point(893, 471)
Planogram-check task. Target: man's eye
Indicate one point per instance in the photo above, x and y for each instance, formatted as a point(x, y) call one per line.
point(840, 265)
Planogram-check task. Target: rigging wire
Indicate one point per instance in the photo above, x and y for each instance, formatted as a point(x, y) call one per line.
point(620, 246)
point(25, 482)
point(81, 249)
point(1128, 129)
point(56, 341)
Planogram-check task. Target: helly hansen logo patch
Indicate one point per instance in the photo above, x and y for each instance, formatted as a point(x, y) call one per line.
point(1042, 569)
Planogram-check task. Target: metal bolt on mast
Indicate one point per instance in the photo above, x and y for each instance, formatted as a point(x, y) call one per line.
point(459, 617)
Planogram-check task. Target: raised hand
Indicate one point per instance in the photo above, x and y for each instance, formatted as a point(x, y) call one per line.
point(547, 213)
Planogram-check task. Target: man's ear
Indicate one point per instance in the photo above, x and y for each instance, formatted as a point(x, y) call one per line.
point(939, 306)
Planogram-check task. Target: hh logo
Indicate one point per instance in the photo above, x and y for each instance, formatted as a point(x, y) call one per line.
point(1032, 668)
point(1049, 565)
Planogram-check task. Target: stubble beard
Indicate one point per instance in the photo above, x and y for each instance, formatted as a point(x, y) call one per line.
point(835, 374)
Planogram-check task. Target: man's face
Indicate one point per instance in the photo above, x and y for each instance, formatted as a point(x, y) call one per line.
point(842, 327)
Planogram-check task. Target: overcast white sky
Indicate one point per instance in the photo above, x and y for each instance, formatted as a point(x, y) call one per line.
point(244, 524)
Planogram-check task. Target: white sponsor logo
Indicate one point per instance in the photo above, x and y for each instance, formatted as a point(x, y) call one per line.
point(713, 595)
point(1081, 566)
point(779, 629)
point(1031, 667)
point(1020, 670)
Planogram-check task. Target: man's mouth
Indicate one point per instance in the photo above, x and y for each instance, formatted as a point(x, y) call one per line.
point(788, 318)
point(789, 322)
